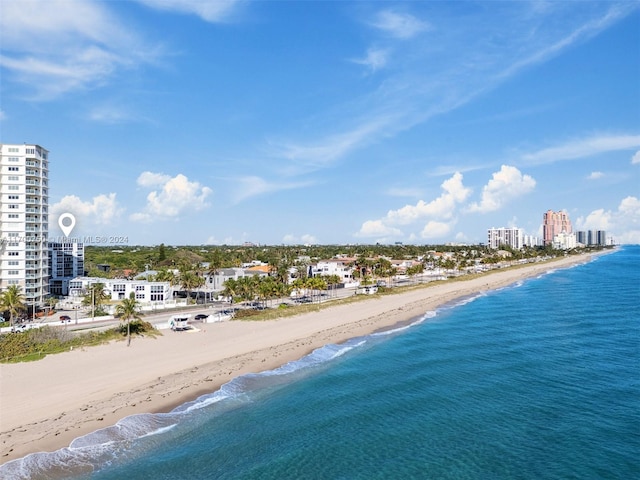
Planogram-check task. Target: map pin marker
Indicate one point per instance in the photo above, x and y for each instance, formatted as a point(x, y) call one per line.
point(66, 222)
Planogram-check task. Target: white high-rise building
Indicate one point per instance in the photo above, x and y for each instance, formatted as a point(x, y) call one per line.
point(512, 237)
point(24, 221)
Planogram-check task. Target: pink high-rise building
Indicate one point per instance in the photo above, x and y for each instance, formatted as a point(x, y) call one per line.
point(554, 223)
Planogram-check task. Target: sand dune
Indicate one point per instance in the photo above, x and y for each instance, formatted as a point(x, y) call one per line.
point(44, 405)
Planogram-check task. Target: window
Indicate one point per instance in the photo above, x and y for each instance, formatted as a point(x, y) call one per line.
point(14, 215)
point(14, 159)
point(140, 296)
point(13, 254)
point(13, 150)
point(119, 288)
point(14, 197)
point(31, 151)
point(13, 178)
point(139, 288)
point(13, 263)
point(13, 206)
point(14, 187)
point(14, 169)
point(13, 272)
point(157, 297)
point(13, 282)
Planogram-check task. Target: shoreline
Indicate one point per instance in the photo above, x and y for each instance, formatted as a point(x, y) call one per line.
point(45, 405)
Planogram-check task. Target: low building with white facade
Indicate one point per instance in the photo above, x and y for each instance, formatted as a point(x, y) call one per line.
point(335, 266)
point(118, 289)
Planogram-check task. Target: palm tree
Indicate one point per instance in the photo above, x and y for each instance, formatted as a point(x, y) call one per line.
point(95, 297)
point(12, 300)
point(166, 276)
point(189, 281)
point(128, 309)
point(230, 289)
point(215, 264)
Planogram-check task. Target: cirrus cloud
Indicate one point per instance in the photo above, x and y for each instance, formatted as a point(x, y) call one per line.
point(399, 25)
point(74, 45)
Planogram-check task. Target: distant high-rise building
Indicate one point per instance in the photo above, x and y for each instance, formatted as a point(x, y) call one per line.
point(593, 237)
point(66, 262)
point(513, 237)
point(554, 223)
point(24, 220)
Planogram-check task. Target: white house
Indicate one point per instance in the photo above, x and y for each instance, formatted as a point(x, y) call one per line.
point(119, 289)
point(334, 266)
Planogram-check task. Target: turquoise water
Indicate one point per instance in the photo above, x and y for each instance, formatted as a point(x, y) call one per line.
point(538, 380)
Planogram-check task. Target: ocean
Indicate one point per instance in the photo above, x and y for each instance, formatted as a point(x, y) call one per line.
point(538, 380)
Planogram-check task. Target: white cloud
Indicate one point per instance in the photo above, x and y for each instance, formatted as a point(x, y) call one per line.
point(305, 239)
point(439, 209)
point(375, 59)
point(435, 229)
point(112, 114)
point(73, 44)
point(582, 148)
point(173, 196)
point(399, 25)
point(3, 116)
point(209, 10)
point(595, 175)
point(101, 210)
point(151, 179)
point(212, 240)
point(506, 184)
point(635, 160)
point(442, 207)
point(623, 224)
point(377, 228)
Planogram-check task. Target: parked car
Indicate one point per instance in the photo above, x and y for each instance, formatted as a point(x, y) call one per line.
point(201, 316)
point(65, 318)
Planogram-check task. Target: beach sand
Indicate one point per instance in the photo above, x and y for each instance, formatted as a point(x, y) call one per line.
point(44, 405)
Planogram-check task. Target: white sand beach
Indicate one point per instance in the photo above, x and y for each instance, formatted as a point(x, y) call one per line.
point(44, 405)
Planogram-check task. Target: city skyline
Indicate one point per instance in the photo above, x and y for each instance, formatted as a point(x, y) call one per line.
point(187, 122)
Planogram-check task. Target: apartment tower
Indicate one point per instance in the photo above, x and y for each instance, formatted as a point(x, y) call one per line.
point(513, 237)
point(554, 223)
point(24, 221)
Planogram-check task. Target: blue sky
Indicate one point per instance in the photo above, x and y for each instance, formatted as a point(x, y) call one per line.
point(287, 122)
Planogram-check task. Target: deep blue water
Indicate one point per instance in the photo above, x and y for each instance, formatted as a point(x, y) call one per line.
point(540, 380)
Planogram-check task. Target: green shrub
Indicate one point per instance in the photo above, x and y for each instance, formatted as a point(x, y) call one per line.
point(137, 327)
